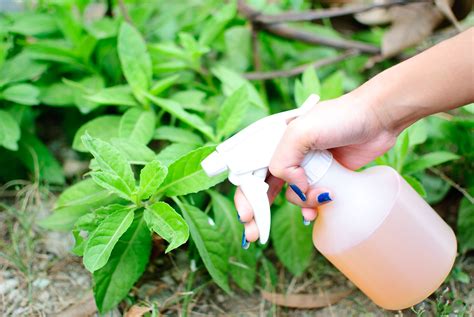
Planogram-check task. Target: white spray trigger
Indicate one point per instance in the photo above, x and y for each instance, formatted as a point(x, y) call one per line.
point(247, 156)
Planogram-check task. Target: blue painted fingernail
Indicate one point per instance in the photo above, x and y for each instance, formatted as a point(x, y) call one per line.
point(324, 198)
point(245, 243)
point(238, 217)
point(306, 222)
point(298, 192)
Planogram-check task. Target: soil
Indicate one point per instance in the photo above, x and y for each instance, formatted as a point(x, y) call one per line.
point(40, 277)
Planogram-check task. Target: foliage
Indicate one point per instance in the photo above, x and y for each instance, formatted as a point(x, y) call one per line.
point(149, 100)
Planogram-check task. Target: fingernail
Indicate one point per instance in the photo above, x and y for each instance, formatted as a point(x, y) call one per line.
point(245, 243)
point(324, 198)
point(306, 222)
point(238, 217)
point(298, 192)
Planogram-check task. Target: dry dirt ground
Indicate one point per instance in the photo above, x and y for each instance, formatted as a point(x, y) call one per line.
point(39, 277)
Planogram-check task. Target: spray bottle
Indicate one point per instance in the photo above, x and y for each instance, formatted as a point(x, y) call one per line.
point(377, 230)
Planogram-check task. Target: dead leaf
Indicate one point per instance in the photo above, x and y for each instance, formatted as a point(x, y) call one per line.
point(84, 308)
point(307, 301)
point(137, 311)
point(410, 25)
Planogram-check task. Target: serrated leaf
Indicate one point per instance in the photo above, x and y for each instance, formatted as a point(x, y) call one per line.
point(173, 152)
point(176, 110)
point(151, 177)
point(232, 112)
point(135, 153)
point(186, 176)
point(114, 96)
point(9, 131)
point(24, 94)
point(242, 263)
point(291, 239)
point(167, 223)
point(115, 170)
point(76, 201)
point(135, 60)
point(209, 244)
point(429, 160)
point(138, 125)
point(417, 186)
point(125, 266)
point(102, 241)
point(104, 128)
point(112, 183)
point(178, 135)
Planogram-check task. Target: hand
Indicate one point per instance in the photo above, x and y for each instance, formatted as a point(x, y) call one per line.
point(348, 126)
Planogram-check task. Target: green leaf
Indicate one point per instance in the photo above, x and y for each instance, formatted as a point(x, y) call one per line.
point(167, 223)
point(9, 131)
point(76, 201)
point(332, 86)
point(151, 177)
point(38, 159)
point(178, 135)
point(429, 160)
point(307, 86)
point(138, 125)
point(104, 128)
point(238, 47)
point(135, 60)
point(177, 111)
point(102, 241)
point(135, 153)
point(416, 185)
point(57, 94)
point(186, 176)
point(418, 132)
point(216, 24)
point(242, 263)
point(20, 68)
point(465, 225)
point(81, 91)
point(436, 188)
point(24, 94)
point(232, 112)
point(401, 149)
point(125, 266)
point(32, 24)
point(173, 152)
point(209, 244)
point(162, 85)
point(291, 239)
point(114, 96)
point(115, 170)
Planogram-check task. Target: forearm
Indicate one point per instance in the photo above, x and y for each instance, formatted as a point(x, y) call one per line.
point(439, 79)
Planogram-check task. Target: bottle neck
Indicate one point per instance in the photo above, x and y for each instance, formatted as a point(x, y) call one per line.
point(323, 170)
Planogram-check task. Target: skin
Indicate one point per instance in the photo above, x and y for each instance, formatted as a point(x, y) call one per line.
point(364, 124)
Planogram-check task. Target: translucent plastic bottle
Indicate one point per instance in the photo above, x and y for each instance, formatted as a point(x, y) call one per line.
point(380, 233)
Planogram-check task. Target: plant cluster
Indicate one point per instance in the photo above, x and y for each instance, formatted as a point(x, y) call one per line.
point(149, 98)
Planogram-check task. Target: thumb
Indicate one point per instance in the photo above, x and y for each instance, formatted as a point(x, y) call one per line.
point(290, 152)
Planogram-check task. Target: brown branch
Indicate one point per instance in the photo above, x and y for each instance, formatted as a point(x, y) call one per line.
point(313, 15)
point(300, 69)
point(452, 183)
point(304, 36)
point(257, 63)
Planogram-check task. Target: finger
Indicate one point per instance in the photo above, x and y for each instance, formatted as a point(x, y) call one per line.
point(315, 196)
point(251, 231)
point(244, 209)
point(290, 152)
point(309, 214)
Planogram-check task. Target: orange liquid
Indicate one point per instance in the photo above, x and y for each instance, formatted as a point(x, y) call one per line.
point(405, 259)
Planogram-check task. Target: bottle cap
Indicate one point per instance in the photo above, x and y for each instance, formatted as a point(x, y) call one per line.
point(214, 164)
point(316, 164)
